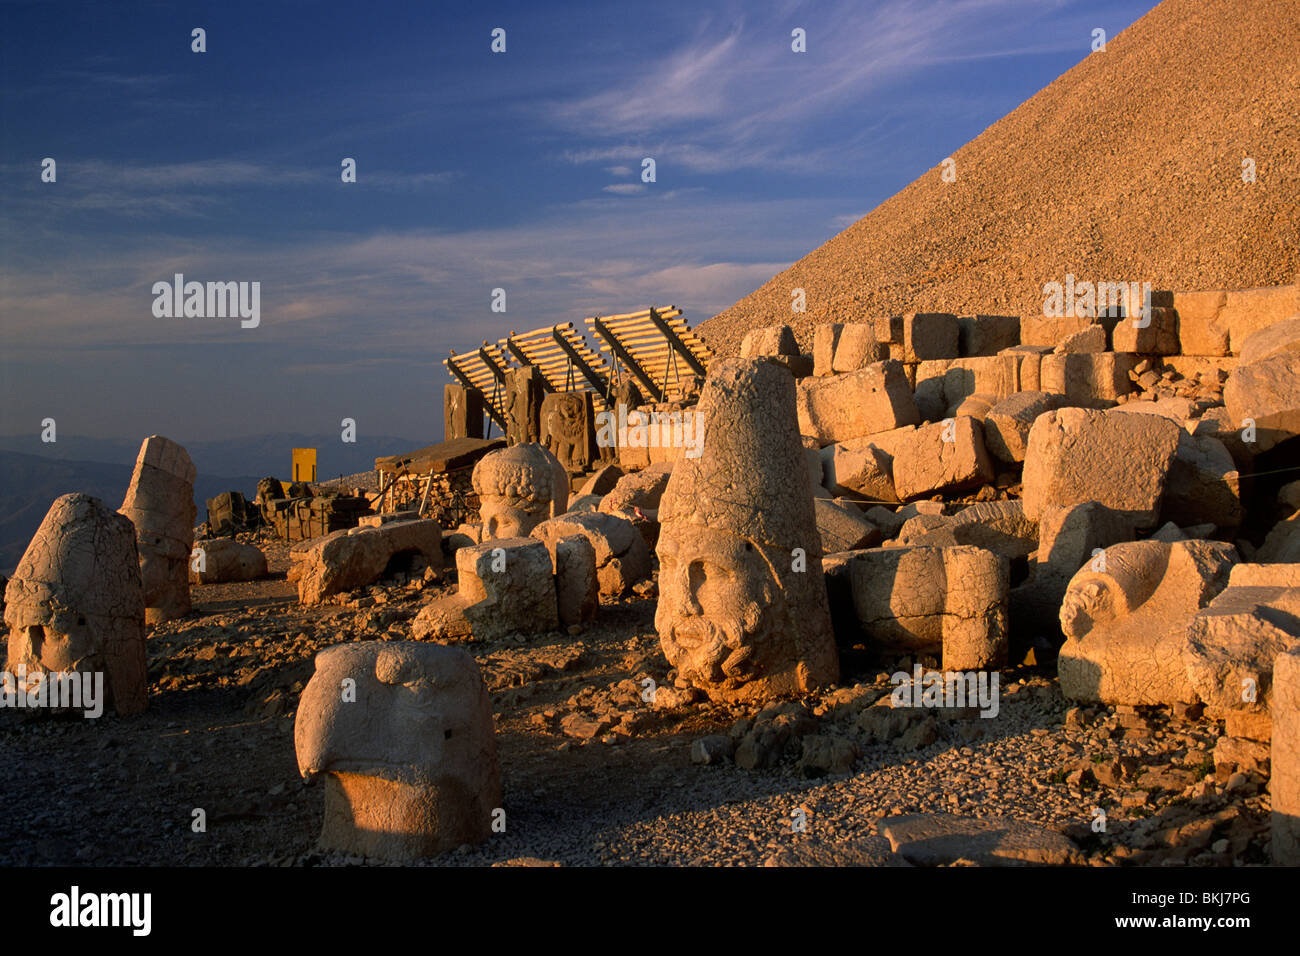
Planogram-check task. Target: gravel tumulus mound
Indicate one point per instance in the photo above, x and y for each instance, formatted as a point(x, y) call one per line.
point(1126, 168)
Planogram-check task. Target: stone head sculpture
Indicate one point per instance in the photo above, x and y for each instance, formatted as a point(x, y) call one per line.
point(75, 603)
point(742, 608)
point(403, 734)
point(519, 487)
point(1126, 614)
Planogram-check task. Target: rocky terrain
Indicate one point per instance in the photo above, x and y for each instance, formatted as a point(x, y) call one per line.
point(595, 775)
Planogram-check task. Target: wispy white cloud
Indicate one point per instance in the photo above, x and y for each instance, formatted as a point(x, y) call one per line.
point(734, 95)
point(397, 293)
point(143, 190)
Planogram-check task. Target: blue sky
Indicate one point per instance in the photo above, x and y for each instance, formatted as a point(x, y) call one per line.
point(475, 170)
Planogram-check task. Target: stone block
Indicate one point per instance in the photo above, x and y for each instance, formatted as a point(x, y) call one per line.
point(944, 456)
point(986, 334)
point(946, 601)
point(1007, 424)
point(838, 407)
point(1090, 380)
point(1121, 461)
point(930, 335)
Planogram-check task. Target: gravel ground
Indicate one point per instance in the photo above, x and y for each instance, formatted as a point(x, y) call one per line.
point(593, 775)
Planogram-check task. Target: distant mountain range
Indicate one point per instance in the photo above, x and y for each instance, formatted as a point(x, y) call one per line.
point(260, 455)
point(33, 474)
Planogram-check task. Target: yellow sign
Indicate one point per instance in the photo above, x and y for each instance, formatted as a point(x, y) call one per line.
point(304, 464)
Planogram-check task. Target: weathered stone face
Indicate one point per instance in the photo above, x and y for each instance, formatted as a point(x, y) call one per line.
point(75, 603)
point(741, 614)
point(518, 488)
point(720, 607)
point(405, 733)
point(160, 503)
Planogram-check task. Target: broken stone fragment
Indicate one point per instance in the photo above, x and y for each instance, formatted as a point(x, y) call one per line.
point(1282, 337)
point(1091, 338)
point(950, 602)
point(1091, 379)
point(946, 456)
point(1267, 394)
point(1204, 485)
point(842, 527)
point(774, 340)
point(218, 560)
point(862, 468)
point(999, 526)
point(1282, 546)
point(622, 558)
point(839, 407)
point(354, 557)
point(1232, 642)
point(857, 347)
point(1007, 424)
point(940, 839)
point(505, 586)
point(160, 504)
point(930, 335)
point(1153, 334)
point(636, 499)
point(577, 592)
point(1284, 758)
point(981, 335)
point(403, 735)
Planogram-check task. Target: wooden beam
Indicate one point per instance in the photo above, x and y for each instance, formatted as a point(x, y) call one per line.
point(632, 364)
point(594, 378)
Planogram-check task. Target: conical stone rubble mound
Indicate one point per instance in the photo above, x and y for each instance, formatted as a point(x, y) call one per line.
point(1126, 168)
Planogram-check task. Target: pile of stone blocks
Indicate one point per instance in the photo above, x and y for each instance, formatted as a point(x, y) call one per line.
point(230, 513)
point(312, 516)
point(1048, 441)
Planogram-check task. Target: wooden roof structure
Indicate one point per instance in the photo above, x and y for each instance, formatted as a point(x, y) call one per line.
point(563, 357)
point(484, 369)
point(442, 457)
point(655, 346)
